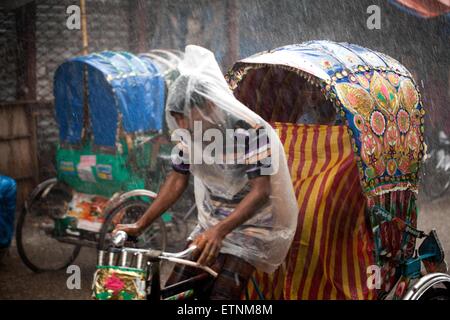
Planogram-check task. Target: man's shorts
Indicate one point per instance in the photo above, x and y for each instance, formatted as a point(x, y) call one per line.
point(233, 276)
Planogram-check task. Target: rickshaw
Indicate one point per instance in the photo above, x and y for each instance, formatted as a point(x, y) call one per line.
point(352, 124)
point(113, 150)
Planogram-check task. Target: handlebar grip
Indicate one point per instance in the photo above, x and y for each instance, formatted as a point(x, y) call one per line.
point(119, 238)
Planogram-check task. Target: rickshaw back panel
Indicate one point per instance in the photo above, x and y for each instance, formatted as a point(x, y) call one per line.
point(91, 172)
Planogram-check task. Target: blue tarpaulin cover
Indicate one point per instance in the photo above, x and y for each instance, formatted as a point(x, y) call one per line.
point(122, 90)
point(8, 190)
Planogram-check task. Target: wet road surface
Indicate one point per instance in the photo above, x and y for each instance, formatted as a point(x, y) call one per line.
point(18, 282)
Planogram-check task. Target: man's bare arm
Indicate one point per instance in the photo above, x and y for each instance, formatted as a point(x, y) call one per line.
point(171, 190)
point(209, 242)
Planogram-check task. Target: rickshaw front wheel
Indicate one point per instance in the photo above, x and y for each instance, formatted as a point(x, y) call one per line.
point(128, 212)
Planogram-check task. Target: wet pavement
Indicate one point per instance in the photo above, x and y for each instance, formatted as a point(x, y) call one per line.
point(18, 282)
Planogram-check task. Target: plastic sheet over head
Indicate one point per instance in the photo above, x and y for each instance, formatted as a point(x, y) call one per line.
point(201, 104)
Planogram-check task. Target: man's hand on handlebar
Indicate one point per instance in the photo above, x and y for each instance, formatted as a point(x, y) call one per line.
point(208, 245)
point(169, 193)
point(133, 229)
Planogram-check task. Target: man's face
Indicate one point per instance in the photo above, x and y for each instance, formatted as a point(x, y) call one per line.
point(204, 115)
point(181, 120)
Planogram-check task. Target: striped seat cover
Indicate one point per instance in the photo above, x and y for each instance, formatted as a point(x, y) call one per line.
point(332, 247)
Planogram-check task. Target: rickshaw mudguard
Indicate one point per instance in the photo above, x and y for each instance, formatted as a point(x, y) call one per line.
point(119, 198)
point(41, 189)
point(380, 105)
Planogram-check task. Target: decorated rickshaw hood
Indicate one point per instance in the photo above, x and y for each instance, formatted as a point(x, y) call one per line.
point(124, 92)
point(374, 93)
point(324, 59)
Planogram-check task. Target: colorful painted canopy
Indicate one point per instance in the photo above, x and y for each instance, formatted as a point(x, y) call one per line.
point(373, 92)
point(123, 91)
point(323, 59)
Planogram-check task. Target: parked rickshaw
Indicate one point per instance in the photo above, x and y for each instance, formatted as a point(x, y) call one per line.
point(352, 124)
point(113, 149)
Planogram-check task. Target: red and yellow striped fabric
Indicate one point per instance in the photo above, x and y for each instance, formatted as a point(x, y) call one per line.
point(332, 245)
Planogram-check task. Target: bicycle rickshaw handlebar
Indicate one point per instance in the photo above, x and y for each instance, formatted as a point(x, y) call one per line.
point(119, 238)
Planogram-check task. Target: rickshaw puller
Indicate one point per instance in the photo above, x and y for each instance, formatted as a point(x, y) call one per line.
point(247, 210)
